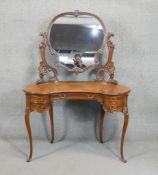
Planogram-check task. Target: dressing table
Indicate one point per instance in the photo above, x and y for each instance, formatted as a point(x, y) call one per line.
point(78, 42)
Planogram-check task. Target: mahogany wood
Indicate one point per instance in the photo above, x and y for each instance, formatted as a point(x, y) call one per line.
point(112, 97)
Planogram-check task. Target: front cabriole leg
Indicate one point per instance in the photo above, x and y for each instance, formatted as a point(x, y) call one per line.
point(126, 117)
point(51, 122)
point(28, 127)
point(101, 122)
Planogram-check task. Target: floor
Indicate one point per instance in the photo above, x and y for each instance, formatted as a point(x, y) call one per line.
point(77, 157)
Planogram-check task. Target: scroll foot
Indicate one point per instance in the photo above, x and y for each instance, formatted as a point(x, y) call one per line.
point(28, 160)
point(52, 141)
point(123, 160)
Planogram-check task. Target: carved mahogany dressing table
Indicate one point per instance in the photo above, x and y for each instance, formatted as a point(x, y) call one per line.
point(77, 56)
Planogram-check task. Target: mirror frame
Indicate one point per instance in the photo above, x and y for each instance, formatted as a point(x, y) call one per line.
point(99, 52)
point(46, 71)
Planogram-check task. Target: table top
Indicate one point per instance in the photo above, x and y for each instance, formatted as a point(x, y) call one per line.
point(82, 87)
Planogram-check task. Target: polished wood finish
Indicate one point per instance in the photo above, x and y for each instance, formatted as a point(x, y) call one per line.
point(112, 97)
point(80, 87)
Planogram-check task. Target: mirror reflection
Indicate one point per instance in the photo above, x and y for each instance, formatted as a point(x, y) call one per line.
point(76, 40)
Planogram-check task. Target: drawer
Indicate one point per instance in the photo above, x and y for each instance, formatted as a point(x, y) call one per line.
point(39, 98)
point(114, 103)
point(78, 96)
point(39, 103)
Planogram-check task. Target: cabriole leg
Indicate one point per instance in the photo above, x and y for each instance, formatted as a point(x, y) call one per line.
point(102, 112)
point(51, 123)
point(126, 117)
point(28, 127)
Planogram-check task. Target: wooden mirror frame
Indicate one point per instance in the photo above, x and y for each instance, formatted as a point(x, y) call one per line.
point(45, 68)
point(99, 52)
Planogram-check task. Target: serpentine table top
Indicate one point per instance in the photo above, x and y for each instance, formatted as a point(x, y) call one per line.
point(89, 87)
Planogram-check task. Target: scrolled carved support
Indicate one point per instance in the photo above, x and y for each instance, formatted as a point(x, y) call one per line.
point(44, 68)
point(109, 42)
point(109, 67)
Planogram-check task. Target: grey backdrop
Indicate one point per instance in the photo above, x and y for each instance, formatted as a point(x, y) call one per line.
point(135, 25)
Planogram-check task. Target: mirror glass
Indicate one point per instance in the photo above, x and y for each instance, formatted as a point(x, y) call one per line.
point(76, 41)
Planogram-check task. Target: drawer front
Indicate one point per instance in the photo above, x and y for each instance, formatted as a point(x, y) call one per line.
point(39, 103)
point(78, 96)
point(114, 103)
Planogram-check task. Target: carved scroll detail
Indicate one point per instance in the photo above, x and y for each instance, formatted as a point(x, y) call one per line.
point(44, 68)
point(109, 67)
point(109, 42)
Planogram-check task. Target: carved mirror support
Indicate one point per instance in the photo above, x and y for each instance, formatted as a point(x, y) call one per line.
point(109, 67)
point(44, 68)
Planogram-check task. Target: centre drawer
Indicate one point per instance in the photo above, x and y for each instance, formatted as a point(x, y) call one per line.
point(77, 96)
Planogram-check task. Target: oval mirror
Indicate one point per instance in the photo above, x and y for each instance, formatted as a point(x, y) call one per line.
point(77, 40)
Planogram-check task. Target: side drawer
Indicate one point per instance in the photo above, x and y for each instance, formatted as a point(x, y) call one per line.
point(39, 103)
point(114, 103)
